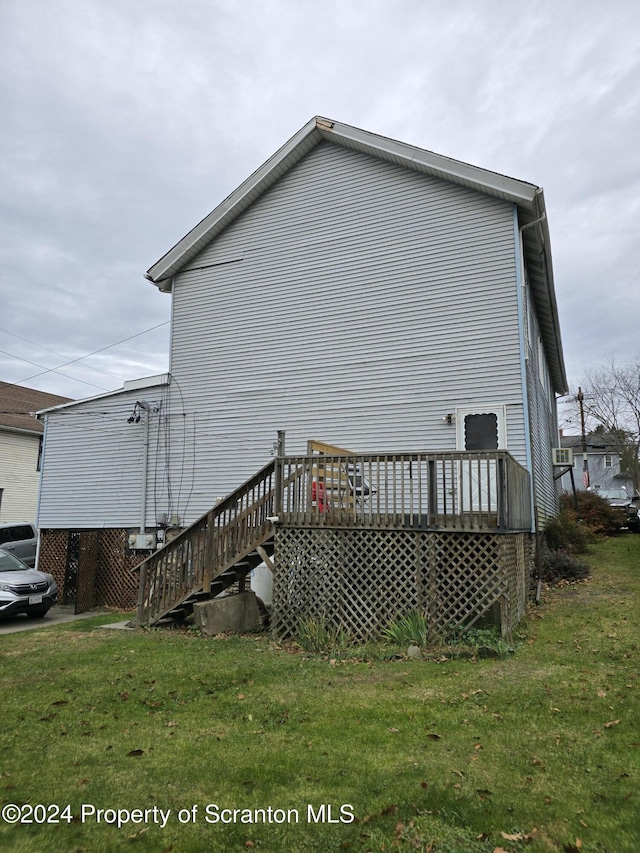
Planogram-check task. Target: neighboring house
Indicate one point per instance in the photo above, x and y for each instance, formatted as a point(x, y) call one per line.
point(603, 461)
point(354, 289)
point(20, 449)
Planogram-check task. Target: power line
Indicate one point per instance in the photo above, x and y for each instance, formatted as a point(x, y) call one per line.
point(55, 352)
point(66, 375)
point(95, 352)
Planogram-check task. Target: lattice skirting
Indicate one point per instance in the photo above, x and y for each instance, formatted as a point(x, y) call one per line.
point(104, 576)
point(360, 579)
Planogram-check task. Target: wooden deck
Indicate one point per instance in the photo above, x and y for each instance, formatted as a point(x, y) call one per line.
point(464, 492)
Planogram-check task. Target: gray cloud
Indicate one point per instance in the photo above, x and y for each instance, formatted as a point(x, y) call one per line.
point(125, 123)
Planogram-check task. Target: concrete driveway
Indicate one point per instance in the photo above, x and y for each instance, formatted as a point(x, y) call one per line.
point(58, 614)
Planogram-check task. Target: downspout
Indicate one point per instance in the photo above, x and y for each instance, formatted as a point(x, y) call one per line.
point(145, 465)
point(37, 519)
point(520, 287)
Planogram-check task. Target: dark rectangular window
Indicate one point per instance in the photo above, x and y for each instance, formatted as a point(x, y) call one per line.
point(481, 432)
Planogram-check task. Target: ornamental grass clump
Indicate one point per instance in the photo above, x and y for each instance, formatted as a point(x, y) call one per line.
point(408, 630)
point(316, 635)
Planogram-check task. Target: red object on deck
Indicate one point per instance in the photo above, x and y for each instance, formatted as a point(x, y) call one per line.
point(318, 497)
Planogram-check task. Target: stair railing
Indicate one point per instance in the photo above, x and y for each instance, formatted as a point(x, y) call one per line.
point(198, 554)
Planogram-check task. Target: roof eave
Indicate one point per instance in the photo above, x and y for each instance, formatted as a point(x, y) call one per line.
point(233, 205)
point(537, 247)
point(318, 129)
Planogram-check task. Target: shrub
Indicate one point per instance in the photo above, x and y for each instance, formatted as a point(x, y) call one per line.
point(565, 532)
point(573, 530)
point(559, 565)
point(594, 512)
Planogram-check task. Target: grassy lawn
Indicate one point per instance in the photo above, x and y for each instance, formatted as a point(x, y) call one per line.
point(539, 751)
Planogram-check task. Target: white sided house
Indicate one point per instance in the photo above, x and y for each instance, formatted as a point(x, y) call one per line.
point(21, 450)
point(359, 291)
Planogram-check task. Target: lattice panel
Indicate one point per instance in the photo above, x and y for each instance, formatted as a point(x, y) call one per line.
point(464, 579)
point(105, 575)
point(357, 579)
point(53, 555)
point(362, 578)
point(117, 584)
point(517, 566)
point(86, 586)
point(379, 580)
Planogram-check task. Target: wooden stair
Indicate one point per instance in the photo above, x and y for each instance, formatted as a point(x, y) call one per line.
point(236, 574)
point(205, 559)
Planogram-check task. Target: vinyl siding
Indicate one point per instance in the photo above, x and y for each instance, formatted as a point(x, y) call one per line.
point(356, 302)
point(543, 414)
point(92, 469)
point(19, 477)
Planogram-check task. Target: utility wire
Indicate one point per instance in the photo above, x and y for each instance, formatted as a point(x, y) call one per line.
point(82, 357)
point(55, 352)
point(66, 375)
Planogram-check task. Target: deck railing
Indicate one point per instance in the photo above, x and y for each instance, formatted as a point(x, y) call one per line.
point(210, 546)
point(474, 491)
point(465, 490)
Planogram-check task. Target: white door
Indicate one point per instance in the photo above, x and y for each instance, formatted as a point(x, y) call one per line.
point(480, 429)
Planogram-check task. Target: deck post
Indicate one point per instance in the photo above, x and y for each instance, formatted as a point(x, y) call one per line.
point(432, 492)
point(503, 504)
point(278, 471)
point(142, 583)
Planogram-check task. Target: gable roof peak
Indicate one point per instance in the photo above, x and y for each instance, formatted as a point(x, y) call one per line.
point(323, 129)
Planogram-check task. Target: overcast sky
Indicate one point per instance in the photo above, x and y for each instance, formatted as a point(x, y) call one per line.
point(124, 122)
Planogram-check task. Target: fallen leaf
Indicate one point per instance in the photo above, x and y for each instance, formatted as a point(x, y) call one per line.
point(424, 785)
point(483, 793)
point(138, 833)
point(458, 773)
point(434, 736)
point(611, 724)
point(389, 810)
point(249, 843)
point(241, 696)
point(135, 753)
point(519, 836)
point(82, 782)
point(601, 694)
point(393, 730)
point(478, 746)
point(172, 724)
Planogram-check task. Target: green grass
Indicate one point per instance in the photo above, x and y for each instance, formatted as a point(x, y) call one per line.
point(431, 756)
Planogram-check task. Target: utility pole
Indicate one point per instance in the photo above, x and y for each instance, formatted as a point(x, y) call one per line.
point(585, 462)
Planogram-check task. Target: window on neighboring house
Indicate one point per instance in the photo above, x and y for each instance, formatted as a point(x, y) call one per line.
point(608, 462)
point(39, 462)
